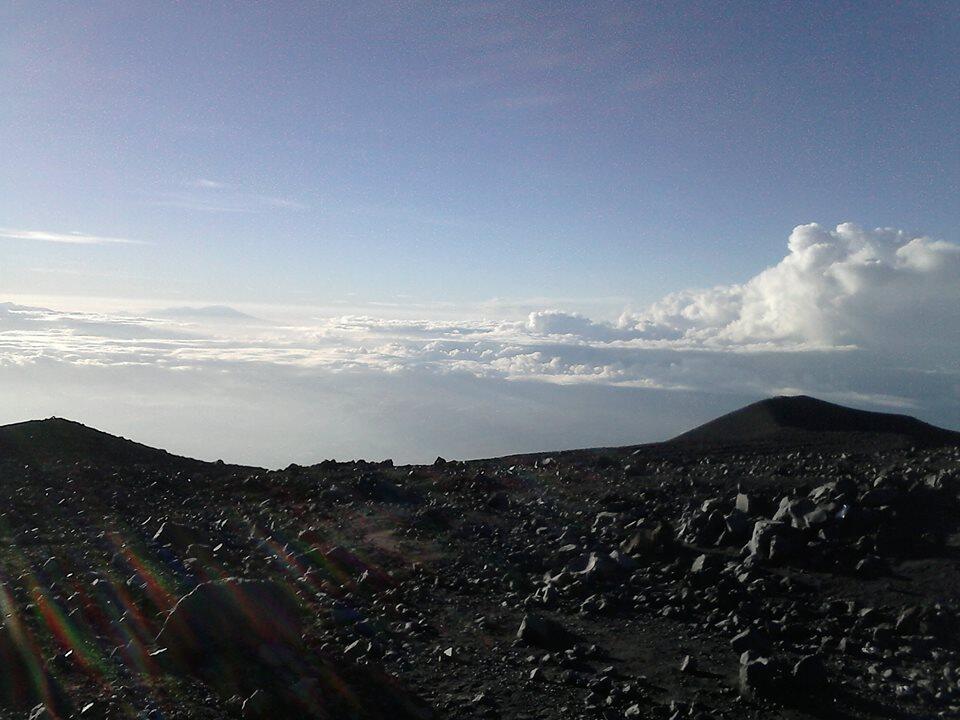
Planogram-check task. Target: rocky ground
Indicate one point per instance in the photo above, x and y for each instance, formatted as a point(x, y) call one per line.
point(664, 581)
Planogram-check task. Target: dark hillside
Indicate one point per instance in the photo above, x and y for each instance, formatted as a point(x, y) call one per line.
point(806, 420)
point(753, 578)
point(58, 441)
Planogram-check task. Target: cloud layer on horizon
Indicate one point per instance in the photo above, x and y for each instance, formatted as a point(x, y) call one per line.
point(867, 317)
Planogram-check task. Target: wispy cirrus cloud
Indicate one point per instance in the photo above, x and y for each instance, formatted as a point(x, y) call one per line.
point(279, 202)
point(207, 184)
point(246, 204)
point(69, 238)
point(214, 196)
point(182, 201)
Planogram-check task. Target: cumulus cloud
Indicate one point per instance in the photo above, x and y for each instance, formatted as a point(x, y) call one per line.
point(878, 289)
point(864, 317)
point(573, 325)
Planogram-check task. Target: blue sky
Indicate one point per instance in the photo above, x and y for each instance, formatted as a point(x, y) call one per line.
point(509, 162)
point(302, 152)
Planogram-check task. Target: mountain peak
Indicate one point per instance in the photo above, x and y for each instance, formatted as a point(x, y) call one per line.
point(804, 419)
point(57, 440)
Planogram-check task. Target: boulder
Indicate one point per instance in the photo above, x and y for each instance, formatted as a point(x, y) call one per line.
point(871, 566)
point(748, 504)
point(738, 526)
point(498, 501)
point(656, 540)
point(878, 497)
point(545, 633)
point(772, 541)
point(792, 510)
point(759, 677)
point(230, 621)
point(809, 674)
point(821, 515)
point(177, 536)
point(706, 567)
point(823, 492)
point(783, 548)
point(750, 640)
point(604, 520)
point(597, 568)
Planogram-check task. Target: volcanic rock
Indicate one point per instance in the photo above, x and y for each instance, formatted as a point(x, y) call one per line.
point(760, 677)
point(232, 618)
point(366, 584)
point(545, 633)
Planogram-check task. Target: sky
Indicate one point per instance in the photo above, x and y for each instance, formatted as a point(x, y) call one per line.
point(287, 231)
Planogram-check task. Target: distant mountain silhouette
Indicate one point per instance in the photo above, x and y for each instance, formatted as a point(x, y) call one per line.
point(767, 425)
point(56, 440)
point(802, 419)
point(206, 312)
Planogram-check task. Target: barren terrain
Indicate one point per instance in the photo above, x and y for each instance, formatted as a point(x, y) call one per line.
point(793, 560)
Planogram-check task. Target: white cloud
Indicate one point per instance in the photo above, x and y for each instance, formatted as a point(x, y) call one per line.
point(573, 325)
point(864, 317)
point(879, 289)
point(71, 238)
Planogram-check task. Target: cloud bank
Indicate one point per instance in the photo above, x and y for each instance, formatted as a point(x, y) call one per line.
point(847, 286)
point(868, 317)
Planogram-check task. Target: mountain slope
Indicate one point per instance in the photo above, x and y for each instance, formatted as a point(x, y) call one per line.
point(806, 419)
point(56, 440)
